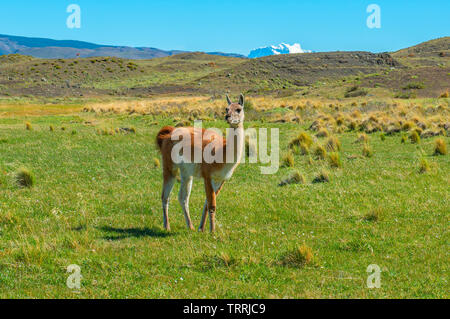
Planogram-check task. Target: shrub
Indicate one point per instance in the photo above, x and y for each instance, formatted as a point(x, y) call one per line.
point(335, 160)
point(415, 137)
point(333, 144)
point(298, 257)
point(28, 126)
point(382, 137)
point(25, 177)
point(288, 160)
point(51, 128)
point(367, 150)
point(444, 95)
point(440, 147)
point(323, 177)
point(294, 178)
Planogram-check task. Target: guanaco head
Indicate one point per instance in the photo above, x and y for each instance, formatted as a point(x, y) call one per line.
point(235, 112)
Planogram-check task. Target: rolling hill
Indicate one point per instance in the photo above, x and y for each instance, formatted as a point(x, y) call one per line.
point(329, 74)
point(69, 49)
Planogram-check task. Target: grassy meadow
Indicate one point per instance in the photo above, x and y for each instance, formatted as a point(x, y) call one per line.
point(95, 202)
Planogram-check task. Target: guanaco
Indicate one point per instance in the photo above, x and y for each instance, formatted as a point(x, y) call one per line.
point(214, 173)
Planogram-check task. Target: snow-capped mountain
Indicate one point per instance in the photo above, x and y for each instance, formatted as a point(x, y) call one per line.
point(283, 48)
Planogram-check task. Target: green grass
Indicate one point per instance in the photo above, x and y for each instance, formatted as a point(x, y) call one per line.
point(96, 203)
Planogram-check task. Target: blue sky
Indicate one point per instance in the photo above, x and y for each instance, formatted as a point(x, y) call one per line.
point(232, 25)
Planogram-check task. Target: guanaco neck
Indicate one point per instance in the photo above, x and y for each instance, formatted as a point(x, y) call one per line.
point(235, 135)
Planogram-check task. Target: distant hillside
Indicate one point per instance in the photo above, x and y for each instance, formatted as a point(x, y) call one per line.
point(433, 48)
point(330, 74)
point(296, 70)
point(68, 49)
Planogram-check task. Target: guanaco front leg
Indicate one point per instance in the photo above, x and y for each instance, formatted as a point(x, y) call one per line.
point(206, 207)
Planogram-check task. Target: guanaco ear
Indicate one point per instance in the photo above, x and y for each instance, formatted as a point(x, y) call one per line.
point(241, 100)
point(228, 100)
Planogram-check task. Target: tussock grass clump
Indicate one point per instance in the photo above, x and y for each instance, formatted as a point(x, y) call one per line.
point(333, 144)
point(424, 166)
point(440, 147)
point(374, 215)
point(335, 160)
point(382, 137)
point(25, 177)
point(363, 138)
point(323, 177)
point(288, 160)
point(367, 150)
point(156, 163)
point(217, 261)
point(302, 138)
point(414, 137)
point(298, 257)
point(51, 128)
point(28, 126)
point(323, 132)
point(404, 139)
point(320, 152)
point(294, 178)
point(444, 95)
point(407, 126)
point(304, 149)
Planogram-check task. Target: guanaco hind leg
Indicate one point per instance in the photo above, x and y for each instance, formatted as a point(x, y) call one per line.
point(169, 181)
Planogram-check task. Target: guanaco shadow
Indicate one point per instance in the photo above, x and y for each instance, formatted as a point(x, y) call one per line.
point(123, 233)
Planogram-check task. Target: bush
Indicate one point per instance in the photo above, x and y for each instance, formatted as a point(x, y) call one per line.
point(28, 126)
point(25, 177)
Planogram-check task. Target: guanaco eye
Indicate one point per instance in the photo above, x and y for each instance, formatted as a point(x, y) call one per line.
point(239, 110)
point(227, 109)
